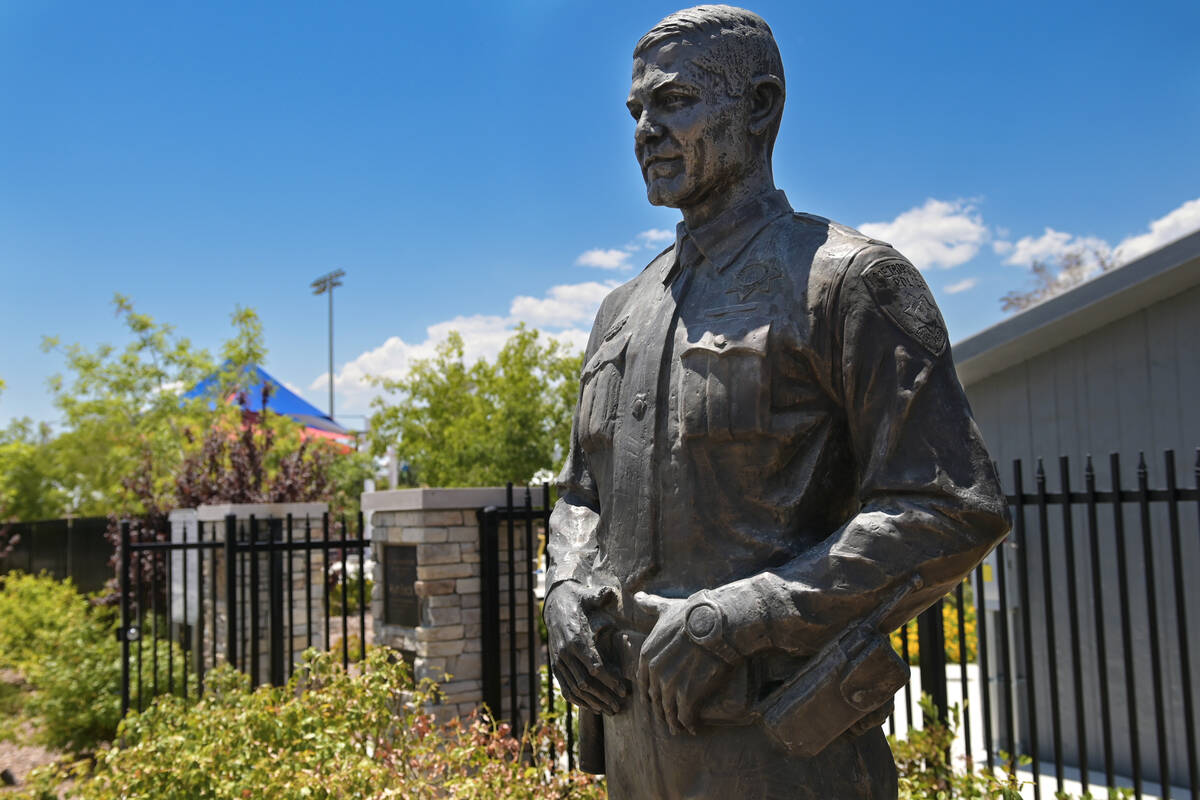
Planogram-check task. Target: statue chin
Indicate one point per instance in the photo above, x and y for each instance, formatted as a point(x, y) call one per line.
point(656, 196)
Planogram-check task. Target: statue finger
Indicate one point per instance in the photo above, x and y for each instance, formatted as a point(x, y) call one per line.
point(650, 604)
point(600, 599)
point(670, 711)
point(568, 675)
point(565, 680)
point(579, 697)
point(599, 698)
point(686, 713)
point(601, 673)
point(654, 694)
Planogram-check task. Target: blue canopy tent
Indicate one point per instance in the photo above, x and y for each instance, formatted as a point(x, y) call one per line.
point(281, 400)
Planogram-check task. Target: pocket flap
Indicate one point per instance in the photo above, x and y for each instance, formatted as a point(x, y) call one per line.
point(608, 352)
point(752, 342)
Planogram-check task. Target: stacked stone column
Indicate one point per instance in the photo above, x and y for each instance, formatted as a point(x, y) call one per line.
point(199, 565)
point(445, 645)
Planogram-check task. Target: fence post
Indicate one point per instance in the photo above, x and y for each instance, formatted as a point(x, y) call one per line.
point(125, 614)
point(489, 553)
point(231, 589)
point(931, 641)
point(275, 587)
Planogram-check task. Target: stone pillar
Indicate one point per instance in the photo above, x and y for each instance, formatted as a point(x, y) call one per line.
point(267, 515)
point(426, 600)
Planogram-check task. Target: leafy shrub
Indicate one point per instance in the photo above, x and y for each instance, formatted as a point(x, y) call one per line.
point(353, 646)
point(34, 610)
point(67, 651)
point(13, 697)
point(354, 585)
point(328, 733)
point(927, 772)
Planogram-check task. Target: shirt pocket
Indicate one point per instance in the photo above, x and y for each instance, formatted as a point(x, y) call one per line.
point(724, 385)
point(600, 393)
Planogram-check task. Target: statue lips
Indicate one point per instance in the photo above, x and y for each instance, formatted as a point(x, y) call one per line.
point(661, 166)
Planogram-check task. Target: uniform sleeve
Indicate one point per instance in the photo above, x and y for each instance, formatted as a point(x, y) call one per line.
point(930, 502)
point(572, 545)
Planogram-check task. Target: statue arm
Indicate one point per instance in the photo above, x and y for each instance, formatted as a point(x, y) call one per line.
point(931, 503)
point(572, 546)
point(573, 601)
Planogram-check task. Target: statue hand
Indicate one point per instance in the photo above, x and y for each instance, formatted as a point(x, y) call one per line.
point(676, 673)
point(586, 680)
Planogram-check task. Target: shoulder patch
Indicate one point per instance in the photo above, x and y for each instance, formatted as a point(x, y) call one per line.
point(905, 297)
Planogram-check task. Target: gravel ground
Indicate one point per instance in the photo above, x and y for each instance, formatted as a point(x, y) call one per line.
point(19, 759)
point(21, 756)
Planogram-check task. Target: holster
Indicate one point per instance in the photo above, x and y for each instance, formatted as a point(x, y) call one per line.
point(591, 742)
point(848, 680)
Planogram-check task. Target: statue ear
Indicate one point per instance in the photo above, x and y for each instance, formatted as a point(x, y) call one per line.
point(766, 103)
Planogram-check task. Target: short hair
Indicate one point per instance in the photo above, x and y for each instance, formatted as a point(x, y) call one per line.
point(741, 42)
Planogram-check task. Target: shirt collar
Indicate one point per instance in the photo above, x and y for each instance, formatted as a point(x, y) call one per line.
point(723, 239)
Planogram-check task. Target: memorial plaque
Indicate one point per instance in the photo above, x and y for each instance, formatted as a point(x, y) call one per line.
point(399, 594)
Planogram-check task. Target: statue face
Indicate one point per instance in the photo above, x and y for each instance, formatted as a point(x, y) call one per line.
point(691, 137)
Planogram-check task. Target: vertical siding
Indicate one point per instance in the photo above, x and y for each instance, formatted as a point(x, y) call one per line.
point(1129, 387)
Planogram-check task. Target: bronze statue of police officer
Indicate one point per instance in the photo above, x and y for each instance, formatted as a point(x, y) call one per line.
point(772, 463)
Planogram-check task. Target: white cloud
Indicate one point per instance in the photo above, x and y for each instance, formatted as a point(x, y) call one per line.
point(1051, 246)
point(566, 310)
point(604, 259)
point(1164, 230)
point(937, 234)
point(961, 286)
point(564, 305)
point(656, 237)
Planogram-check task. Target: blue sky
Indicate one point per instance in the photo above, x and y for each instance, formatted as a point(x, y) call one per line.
point(470, 165)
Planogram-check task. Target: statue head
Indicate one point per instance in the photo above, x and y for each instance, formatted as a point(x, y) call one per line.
point(707, 95)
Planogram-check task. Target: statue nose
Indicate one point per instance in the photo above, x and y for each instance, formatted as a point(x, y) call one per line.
point(646, 129)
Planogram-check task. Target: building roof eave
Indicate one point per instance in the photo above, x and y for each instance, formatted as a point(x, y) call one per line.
point(1110, 296)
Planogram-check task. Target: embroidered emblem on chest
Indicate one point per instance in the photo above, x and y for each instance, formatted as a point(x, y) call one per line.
point(905, 297)
point(752, 279)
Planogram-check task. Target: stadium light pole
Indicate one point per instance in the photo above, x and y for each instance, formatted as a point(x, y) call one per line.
point(324, 285)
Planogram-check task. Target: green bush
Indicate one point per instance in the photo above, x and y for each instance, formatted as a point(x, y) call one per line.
point(353, 586)
point(927, 773)
point(35, 610)
point(67, 651)
point(328, 733)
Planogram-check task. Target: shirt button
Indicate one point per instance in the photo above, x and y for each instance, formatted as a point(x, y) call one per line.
point(639, 405)
point(720, 341)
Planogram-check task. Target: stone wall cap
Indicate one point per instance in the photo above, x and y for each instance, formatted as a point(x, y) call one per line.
point(444, 499)
point(261, 510)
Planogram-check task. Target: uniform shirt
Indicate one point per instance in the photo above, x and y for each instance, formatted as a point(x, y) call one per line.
point(770, 411)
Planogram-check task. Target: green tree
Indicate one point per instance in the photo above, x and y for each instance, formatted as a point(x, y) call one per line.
point(29, 489)
point(483, 424)
point(122, 410)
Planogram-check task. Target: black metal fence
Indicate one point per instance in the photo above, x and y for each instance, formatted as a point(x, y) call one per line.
point(1071, 644)
point(74, 548)
point(510, 541)
point(1084, 627)
point(252, 592)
